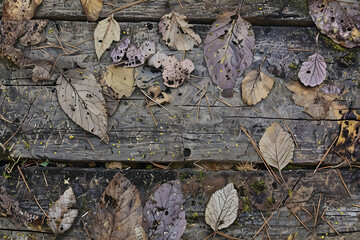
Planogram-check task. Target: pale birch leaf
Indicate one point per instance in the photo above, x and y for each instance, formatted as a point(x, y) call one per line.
point(107, 31)
point(255, 86)
point(221, 210)
point(120, 80)
point(92, 8)
point(313, 71)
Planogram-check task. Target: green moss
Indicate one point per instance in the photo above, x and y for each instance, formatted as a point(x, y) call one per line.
point(149, 166)
point(258, 187)
point(292, 167)
point(246, 204)
point(293, 66)
point(269, 202)
point(183, 176)
point(333, 45)
point(194, 217)
point(350, 58)
point(201, 176)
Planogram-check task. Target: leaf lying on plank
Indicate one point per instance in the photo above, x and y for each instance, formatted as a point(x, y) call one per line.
point(119, 212)
point(177, 33)
point(107, 31)
point(255, 86)
point(228, 50)
point(60, 214)
point(81, 99)
point(338, 19)
point(120, 80)
point(158, 96)
point(92, 8)
point(316, 102)
point(20, 9)
point(313, 71)
point(221, 210)
point(164, 214)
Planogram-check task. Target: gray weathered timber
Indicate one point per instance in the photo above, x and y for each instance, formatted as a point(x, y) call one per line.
point(48, 133)
point(197, 187)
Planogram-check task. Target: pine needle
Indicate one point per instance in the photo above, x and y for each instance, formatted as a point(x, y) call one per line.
point(149, 108)
point(327, 152)
point(126, 6)
point(227, 104)
point(300, 221)
point(343, 182)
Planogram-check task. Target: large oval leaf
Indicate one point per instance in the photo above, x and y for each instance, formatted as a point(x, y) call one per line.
point(80, 97)
point(255, 87)
point(228, 50)
point(107, 31)
point(313, 71)
point(338, 19)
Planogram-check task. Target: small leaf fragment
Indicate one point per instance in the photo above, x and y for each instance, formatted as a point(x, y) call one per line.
point(60, 214)
point(107, 31)
point(255, 86)
point(313, 71)
point(221, 210)
point(92, 8)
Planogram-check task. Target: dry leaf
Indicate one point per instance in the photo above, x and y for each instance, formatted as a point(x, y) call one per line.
point(255, 86)
point(214, 166)
point(92, 8)
point(113, 165)
point(120, 80)
point(119, 212)
point(177, 33)
point(228, 50)
point(338, 19)
point(158, 96)
point(313, 71)
point(60, 214)
point(41, 71)
point(107, 31)
point(221, 210)
point(277, 146)
point(19, 9)
point(164, 214)
point(81, 99)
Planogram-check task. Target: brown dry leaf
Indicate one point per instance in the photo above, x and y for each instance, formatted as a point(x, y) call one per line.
point(177, 33)
point(92, 8)
point(119, 212)
point(120, 80)
point(19, 9)
point(41, 71)
point(212, 166)
point(113, 165)
point(158, 96)
point(255, 86)
point(107, 31)
point(60, 214)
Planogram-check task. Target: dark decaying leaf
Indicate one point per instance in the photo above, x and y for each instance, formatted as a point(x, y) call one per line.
point(164, 215)
point(348, 143)
point(60, 214)
point(313, 71)
point(255, 86)
point(338, 19)
point(228, 50)
point(119, 212)
point(177, 33)
point(9, 208)
point(19, 9)
point(81, 99)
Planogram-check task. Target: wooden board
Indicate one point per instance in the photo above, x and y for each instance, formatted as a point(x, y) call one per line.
point(197, 186)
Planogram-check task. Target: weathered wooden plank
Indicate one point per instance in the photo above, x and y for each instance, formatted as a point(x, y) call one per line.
point(279, 12)
point(88, 184)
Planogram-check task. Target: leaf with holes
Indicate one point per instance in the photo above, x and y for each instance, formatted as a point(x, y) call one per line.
point(177, 33)
point(107, 31)
point(255, 86)
point(92, 8)
point(61, 215)
point(164, 214)
point(81, 99)
point(221, 210)
point(119, 212)
point(158, 96)
point(19, 10)
point(338, 19)
point(313, 71)
point(228, 50)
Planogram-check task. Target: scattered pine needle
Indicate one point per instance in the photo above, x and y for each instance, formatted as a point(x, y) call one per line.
point(300, 50)
point(180, 4)
point(355, 205)
point(227, 236)
point(150, 111)
point(23, 177)
point(307, 211)
point(267, 233)
point(342, 180)
point(327, 152)
point(325, 220)
point(316, 214)
point(4, 119)
point(161, 166)
point(126, 6)
point(46, 183)
point(300, 221)
point(92, 147)
point(262, 215)
point(40, 207)
point(227, 104)
point(155, 101)
point(87, 232)
point(208, 104)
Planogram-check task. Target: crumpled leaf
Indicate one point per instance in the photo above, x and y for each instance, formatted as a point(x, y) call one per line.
point(9, 208)
point(158, 96)
point(119, 212)
point(92, 8)
point(317, 104)
point(175, 73)
point(20, 9)
point(81, 99)
point(107, 31)
point(164, 215)
point(221, 210)
point(338, 19)
point(41, 71)
point(177, 33)
point(313, 71)
point(132, 55)
point(348, 144)
point(255, 86)
point(228, 50)
point(60, 214)
point(277, 146)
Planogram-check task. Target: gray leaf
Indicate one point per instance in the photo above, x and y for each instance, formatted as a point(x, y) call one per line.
point(313, 71)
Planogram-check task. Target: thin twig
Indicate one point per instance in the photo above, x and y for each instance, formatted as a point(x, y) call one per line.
point(126, 6)
point(267, 233)
point(227, 236)
point(327, 152)
point(150, 111)
point(68, 45)
point(161, 166)
point(92, 147)
point(23, 177)
point(88, 39)
point(307, 211)
point(342, 180)
point(87, 232)
point(46, 183)
point(40, 206)
point(227, 104)
point(325, 220)
point(180, 4)
point(288, 128)
point(300, 221)
point(4, 119)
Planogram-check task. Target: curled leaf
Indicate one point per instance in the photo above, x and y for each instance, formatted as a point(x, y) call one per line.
point(19, 9)
point(107, 31)
point(228, 50)
point(255, 86)
point(60, 214)
point(120, 80)
point(177, 33)
point(221, 210)
point(92, 8)
point(313, 71)
point(158, 96)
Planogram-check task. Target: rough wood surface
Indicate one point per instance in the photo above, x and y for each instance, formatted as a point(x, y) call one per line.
point(48, 133)
point(197, 186)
